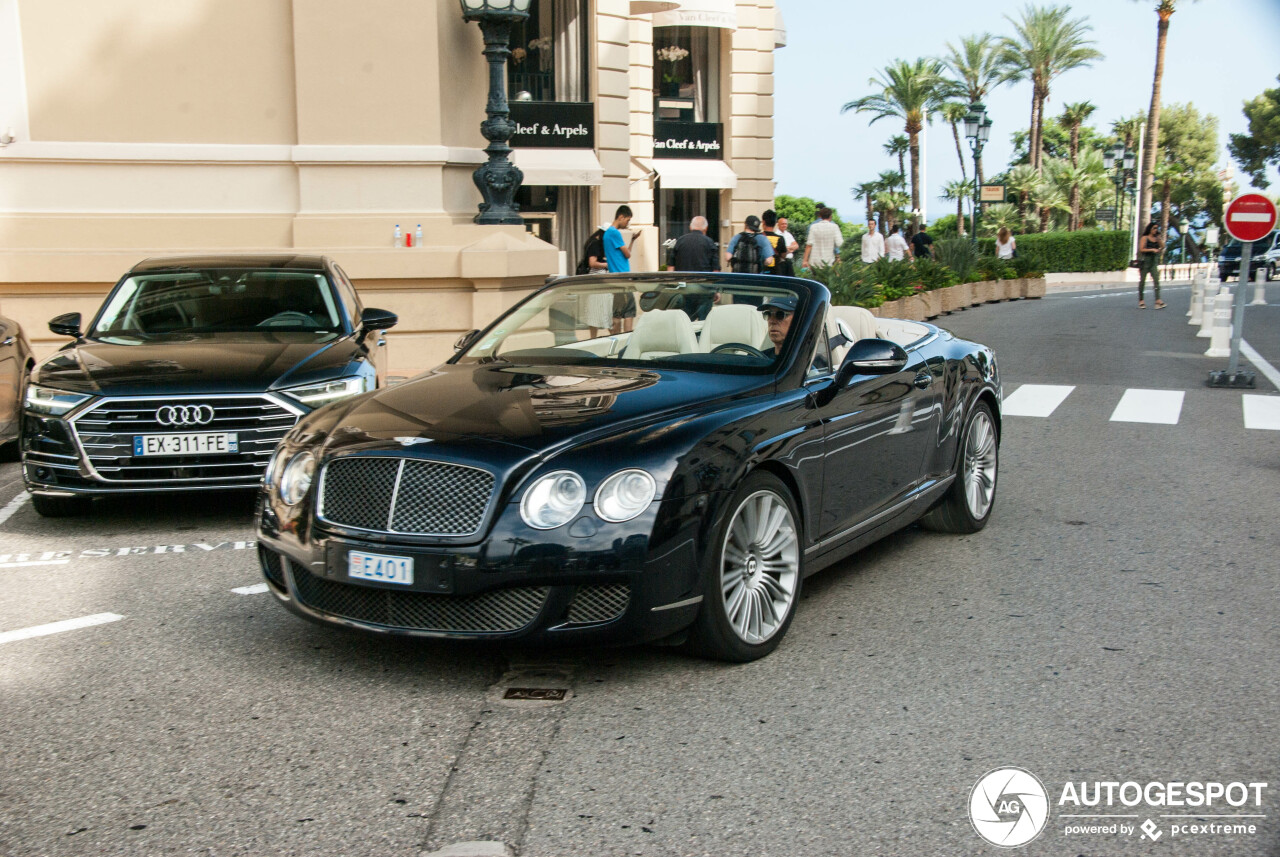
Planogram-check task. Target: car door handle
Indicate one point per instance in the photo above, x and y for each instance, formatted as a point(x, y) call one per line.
point(922, 381)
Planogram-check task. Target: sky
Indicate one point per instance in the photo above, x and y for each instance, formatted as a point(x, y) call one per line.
point(1219, 54)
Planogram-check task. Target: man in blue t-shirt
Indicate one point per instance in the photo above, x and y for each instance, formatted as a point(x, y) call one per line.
point(617, 252)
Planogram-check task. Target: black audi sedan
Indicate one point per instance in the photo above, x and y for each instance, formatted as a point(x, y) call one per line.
point(190, 373)
point(563, 478)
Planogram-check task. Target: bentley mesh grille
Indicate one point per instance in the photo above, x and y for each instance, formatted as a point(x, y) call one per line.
point(107, 430)
point(500, 611)
point(271, 566)
point(400, 495)
point(601, 603)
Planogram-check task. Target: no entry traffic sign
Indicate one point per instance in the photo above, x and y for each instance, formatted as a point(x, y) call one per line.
point(1250, 216)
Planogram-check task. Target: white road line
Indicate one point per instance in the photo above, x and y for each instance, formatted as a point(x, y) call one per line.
point(256, 589)
point(59, 627)
point(13, 505)
point(1262, 412)
point(1035, 400)
point(34, 562)
point(1268, 371)
point(1149, 406)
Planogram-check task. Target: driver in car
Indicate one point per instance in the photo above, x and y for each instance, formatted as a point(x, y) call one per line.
point(777, 314)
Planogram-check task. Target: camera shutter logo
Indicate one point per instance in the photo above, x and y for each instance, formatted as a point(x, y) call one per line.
point(1008, 807)
point(184, 415)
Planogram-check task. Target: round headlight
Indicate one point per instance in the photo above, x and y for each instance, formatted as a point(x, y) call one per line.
point(553, 500)
point(624, 495)
point(295, 481)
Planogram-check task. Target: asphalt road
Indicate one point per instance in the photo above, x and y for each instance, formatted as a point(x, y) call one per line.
point(1116, 621)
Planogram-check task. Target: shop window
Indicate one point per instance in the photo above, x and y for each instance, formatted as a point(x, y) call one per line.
point(678, 206)
point(686, 74)
point(548, 53)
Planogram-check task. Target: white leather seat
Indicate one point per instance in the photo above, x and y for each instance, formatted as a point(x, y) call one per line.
point(859, 319)
point(733, 323)
point(661, 333)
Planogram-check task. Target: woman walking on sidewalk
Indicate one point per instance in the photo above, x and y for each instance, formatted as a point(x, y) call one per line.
point(1149, 248)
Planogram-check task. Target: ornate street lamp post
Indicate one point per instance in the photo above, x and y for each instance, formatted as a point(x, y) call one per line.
point(977, 130)
point(1123, 162)
point(498, 178)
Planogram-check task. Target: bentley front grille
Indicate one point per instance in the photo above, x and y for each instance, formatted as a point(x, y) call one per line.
point(600, 603)
point(500, 611)
point(405, 495)
point(106, 433)
point(272, 566)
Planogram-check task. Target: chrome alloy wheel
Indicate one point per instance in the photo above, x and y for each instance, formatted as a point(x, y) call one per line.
point(760, 567)
point(980, 465)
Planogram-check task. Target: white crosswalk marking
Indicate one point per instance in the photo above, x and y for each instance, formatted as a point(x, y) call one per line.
point(1035, 400)
point(1261, 412)
point(59, 627)
point(1162, 407)
point(256, 589)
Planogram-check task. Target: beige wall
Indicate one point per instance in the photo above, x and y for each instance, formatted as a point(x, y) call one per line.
point(155, 127)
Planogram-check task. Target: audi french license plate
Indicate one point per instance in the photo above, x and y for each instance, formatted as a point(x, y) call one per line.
point(212, 443)
point(379, 567)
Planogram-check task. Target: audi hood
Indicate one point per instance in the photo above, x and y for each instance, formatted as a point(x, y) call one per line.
point(198, 363)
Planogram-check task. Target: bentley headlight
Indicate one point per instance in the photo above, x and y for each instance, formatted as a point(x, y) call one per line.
point(296, 478)
point(316, 395)
point(46, 400)
point(553, 500)
point(624, 495)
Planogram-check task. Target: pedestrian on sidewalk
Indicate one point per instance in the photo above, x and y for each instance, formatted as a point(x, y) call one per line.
point(1150, 246)
point(788, 263)
point(1005, 245)
point(823, 242)
point(897, 246)
point(872, 243)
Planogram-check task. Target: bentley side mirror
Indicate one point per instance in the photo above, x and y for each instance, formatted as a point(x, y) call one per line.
point(466, 339)
point(377, 319)
point(67, 324)
point(872, 357)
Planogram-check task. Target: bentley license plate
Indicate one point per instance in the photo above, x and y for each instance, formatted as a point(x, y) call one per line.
point(379, 567)
point(220, 443)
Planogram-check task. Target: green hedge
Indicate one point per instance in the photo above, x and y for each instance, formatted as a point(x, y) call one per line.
point(1070, 252)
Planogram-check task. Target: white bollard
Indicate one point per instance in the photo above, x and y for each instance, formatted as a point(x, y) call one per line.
point(1260, 287)
point(1206, 313)
point(1197, 297)
point(1220, 343)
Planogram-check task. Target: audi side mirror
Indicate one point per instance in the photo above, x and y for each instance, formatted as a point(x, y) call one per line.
point(872, 357)
point(377, 319)
point(67, 324)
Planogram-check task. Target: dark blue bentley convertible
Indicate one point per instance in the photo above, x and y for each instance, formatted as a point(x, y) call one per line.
point(631, 458)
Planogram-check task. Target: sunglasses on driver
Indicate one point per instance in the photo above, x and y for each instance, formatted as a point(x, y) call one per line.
point(775, 315)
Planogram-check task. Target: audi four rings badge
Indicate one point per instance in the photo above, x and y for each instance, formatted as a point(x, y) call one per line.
point(184, 415)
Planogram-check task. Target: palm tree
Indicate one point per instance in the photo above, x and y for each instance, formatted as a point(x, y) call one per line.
point(1047, 44)
point(912, 92)
point(1164, 11)
point(897, 147)
point(1073, 116)
point(957, 191)
point(1127, 129)
point(1023, 181)
point(889, 203)
point(953, 113)
point(1084, 177)
point(867, 191)
point(1002, 214)
point(977, 69)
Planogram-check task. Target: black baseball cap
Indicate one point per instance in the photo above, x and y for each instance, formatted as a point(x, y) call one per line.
point(753, 223)
point(786, 304)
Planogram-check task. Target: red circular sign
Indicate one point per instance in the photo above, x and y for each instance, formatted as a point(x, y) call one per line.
point(1250, 216)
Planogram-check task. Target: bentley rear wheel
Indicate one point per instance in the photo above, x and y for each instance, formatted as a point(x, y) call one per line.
point(751, 581)
point(967, 505)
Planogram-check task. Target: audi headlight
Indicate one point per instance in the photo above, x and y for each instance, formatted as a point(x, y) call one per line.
point(553, 500)
point(316, 395)
point(46, 400)
point(624, 495)
point(295, 480)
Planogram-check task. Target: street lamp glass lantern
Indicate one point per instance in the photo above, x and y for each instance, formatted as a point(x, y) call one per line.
point(1108, 159)
point(475, 8)
point(973, 120)
point(1130, 160)
point(984, 130)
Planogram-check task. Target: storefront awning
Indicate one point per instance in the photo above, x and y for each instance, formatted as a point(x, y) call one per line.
point(779, 29)
point(559, 167)
point(699, 13)
point(694, 173)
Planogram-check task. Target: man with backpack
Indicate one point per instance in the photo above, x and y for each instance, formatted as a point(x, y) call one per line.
point(749, 251)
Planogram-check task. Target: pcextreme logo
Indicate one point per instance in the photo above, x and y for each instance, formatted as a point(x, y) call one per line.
point(1009, 807)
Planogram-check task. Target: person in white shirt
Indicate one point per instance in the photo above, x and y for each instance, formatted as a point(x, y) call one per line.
point(823, 241)
point(1005, 245)
point(872, 243)
point(897, 246)
point(792, 246)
